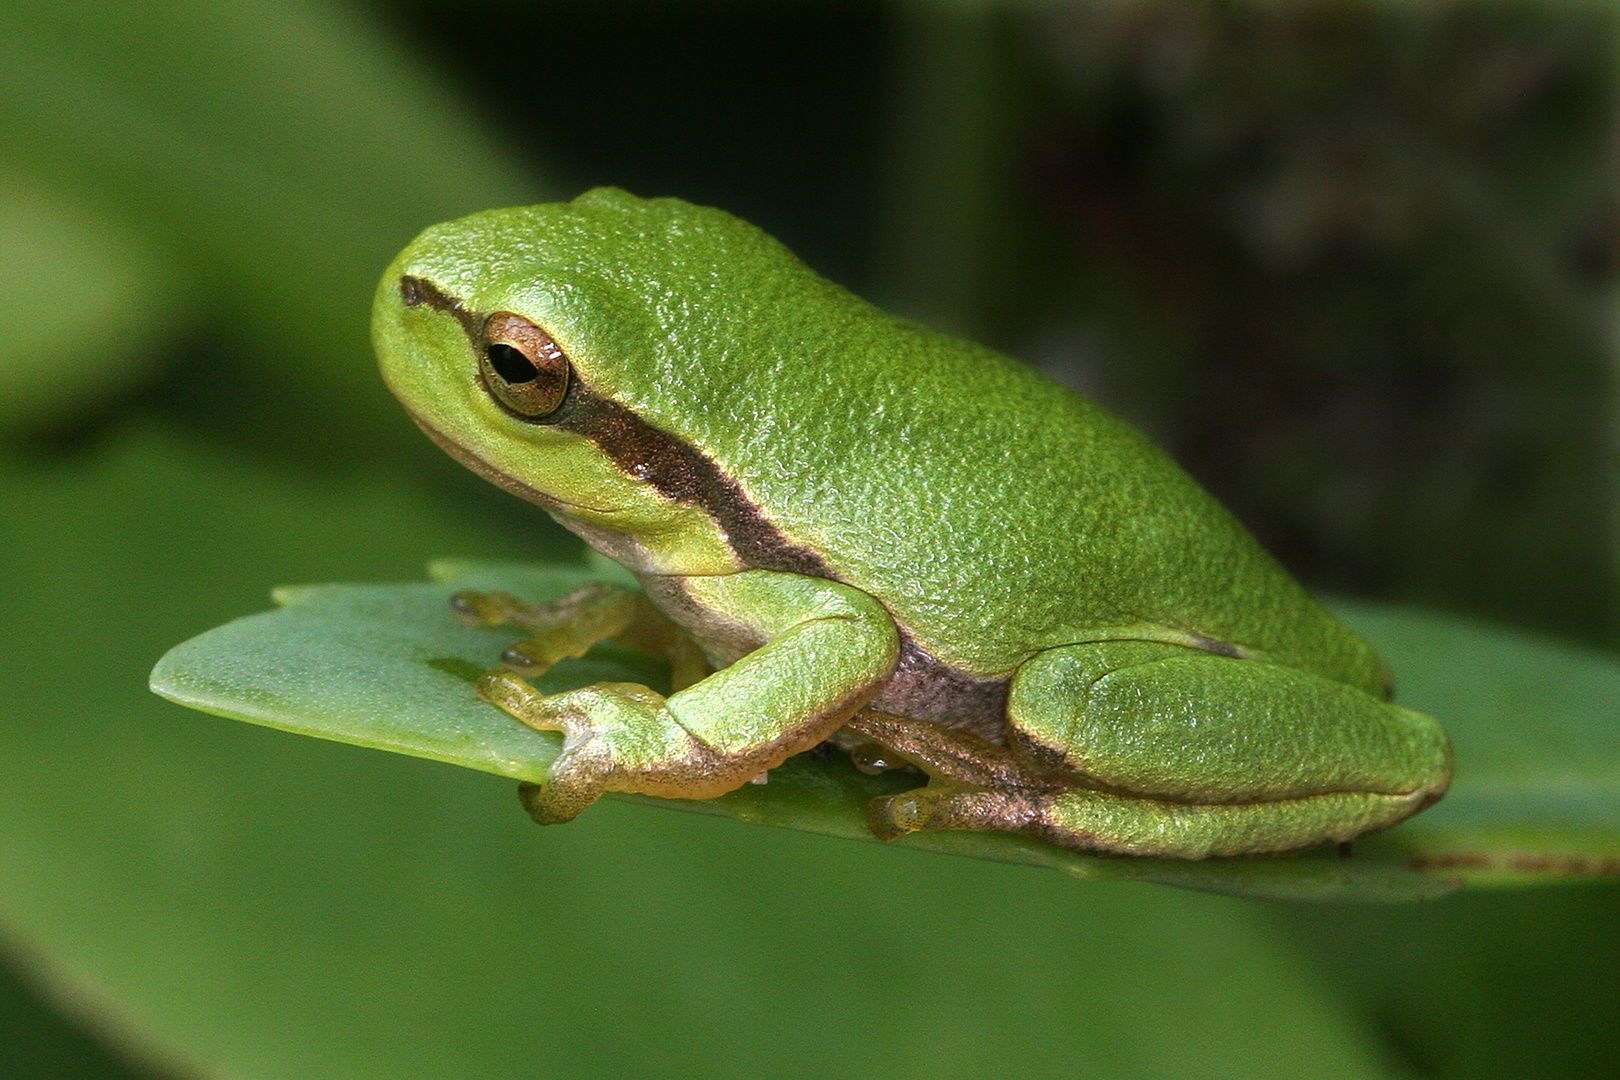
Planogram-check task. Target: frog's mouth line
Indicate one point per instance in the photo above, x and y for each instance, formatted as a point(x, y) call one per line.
point(665, 462)
point(500, 479)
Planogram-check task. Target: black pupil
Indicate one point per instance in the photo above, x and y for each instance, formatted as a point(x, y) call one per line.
point(511, 365)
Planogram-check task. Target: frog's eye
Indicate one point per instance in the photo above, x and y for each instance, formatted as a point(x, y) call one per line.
point(522, 367)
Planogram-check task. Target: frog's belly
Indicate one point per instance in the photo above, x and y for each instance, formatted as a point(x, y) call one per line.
point(926, 688)
point(921, 686)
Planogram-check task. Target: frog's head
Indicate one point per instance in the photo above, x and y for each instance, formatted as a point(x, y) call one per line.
point(560, 351)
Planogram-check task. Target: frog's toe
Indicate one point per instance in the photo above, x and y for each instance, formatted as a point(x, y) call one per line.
point(947, 807)
point(474, 608)
point(514, 695)
point(535, 656)
point(892, 816)
point(616, 737)
point(561, 799)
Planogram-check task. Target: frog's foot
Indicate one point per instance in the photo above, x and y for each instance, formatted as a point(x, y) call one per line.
point(616, 737)
point(1107, 823)
point(566, 627)
point(974, 784)
point(950, 807)
point(1128, 825)
point(939, 751)
point(981, 786)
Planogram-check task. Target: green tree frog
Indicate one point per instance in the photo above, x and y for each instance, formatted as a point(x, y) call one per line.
point(848, 525)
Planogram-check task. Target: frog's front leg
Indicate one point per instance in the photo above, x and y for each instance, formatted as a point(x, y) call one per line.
point(824, 650)
point(1144, 748)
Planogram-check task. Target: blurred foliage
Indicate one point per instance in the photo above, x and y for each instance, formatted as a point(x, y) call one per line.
point(1536, 799)
point(1353, 262)
point(124, 304)
point(275, 155)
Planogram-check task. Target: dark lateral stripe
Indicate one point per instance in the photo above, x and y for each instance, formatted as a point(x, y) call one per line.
point(415, 291)
point(669, 465)
point(679, 471)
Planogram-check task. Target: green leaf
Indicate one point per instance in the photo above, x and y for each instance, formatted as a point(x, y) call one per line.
point(233, 902)
point(1536, 726)
point(385, 666)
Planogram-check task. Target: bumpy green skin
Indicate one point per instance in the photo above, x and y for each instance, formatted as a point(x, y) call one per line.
point(1145, 677)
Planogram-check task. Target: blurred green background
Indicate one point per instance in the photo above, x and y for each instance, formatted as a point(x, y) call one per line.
point(1354, 263)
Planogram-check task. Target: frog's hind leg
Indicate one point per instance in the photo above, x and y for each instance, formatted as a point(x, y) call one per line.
point(1146, 748)
point(973, 784)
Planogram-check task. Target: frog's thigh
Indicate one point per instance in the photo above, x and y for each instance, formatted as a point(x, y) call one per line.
point(1180, 752)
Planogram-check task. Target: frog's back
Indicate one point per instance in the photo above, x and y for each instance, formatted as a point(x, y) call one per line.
point(994, 512)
